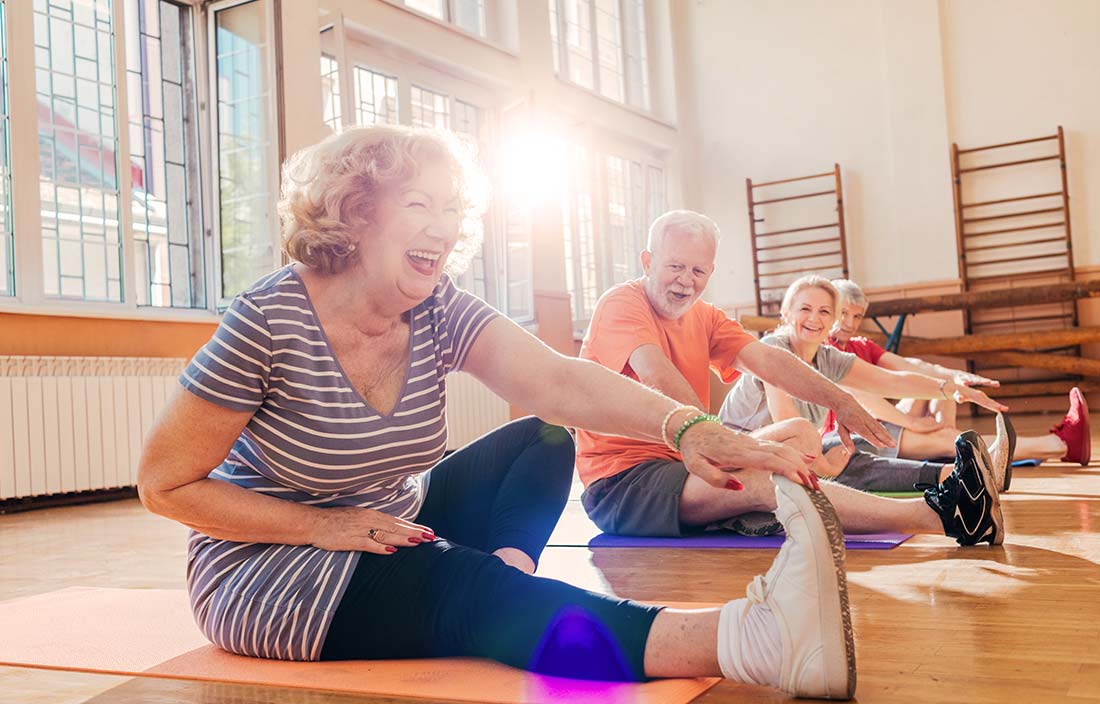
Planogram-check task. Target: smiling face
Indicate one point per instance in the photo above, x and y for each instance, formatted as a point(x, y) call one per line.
point(811, 315)
point(677, 273)
point(414, 228)
point(849, 322)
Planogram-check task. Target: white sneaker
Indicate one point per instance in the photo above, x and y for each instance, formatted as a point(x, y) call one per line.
point(1001, 452)
point(807, 591)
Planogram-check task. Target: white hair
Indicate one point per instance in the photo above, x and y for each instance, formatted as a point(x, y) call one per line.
point(680, 221)
point(850, 292)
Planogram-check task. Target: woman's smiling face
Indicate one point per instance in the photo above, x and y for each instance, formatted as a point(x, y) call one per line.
point(811, 315)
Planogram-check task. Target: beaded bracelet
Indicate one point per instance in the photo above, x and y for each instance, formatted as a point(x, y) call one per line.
point(668, 417)
point(690, 422)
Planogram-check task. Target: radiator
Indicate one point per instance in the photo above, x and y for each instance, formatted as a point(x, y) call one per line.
point(76, 423)
point(472, 410)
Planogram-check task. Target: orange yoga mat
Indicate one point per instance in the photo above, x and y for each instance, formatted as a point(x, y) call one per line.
point(150, 633)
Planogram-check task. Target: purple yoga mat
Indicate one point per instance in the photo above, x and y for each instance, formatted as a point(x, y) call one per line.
point(869, 541)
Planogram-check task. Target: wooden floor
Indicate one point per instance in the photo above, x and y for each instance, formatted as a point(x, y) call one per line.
point(934, 622)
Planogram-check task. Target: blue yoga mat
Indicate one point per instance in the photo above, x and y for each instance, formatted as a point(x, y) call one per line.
point(722, 539)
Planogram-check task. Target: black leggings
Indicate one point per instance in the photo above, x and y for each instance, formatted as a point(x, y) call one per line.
point(453, 598)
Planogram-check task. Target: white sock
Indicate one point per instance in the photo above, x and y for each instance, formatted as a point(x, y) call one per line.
point(749, 646)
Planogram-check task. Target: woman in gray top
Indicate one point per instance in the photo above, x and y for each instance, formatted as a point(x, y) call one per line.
point(809, 310)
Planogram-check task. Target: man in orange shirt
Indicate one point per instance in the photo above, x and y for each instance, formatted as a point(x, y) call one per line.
point(657, 330)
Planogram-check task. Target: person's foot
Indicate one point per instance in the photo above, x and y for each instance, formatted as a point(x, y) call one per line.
point(1002, 452)
point(967, 501)
point(1074, 430)
point(805, 591)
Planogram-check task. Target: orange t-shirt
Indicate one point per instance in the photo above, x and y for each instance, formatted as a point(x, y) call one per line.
point(623, 321)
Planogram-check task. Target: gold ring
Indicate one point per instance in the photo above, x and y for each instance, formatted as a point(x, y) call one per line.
point(373, 534)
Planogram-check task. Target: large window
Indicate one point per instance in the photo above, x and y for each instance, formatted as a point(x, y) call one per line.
point(246, 163)
point(77, 146)
point(7, 266)
point(601, 45)
point(375, 98)
point(330, 92)
point(166, 222)
point(609, 203)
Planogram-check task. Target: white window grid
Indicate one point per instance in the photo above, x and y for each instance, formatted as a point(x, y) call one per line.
point(376, 100)
point(610, 201)
point(330, 92)
point(601, 45)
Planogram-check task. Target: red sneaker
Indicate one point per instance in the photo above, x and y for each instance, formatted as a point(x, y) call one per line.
point(1074, 429)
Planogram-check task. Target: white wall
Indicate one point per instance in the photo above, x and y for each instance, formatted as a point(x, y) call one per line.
point(1017, 69)
point(774, 90)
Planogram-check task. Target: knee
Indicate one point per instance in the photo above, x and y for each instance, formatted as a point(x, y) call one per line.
point(803, 435)
point(556, 444)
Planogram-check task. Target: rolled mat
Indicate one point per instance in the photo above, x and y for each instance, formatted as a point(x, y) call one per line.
point(150, 633)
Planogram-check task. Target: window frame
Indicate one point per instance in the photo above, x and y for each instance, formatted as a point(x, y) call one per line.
point(599, 192)
point(560, 49)
point(213, 191)
point(29, 281)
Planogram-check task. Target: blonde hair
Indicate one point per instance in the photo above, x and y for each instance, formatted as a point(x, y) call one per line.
point(850, 292)
point(801, 284)
point(330, 191)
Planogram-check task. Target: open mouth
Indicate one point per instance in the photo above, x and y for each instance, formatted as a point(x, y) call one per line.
point(423, 261)
point(679, 297)
point(811, 330)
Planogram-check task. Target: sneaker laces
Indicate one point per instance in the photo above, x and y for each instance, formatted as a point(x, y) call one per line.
point(756, 590)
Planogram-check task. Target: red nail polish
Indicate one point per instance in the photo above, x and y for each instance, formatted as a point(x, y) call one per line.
point(416, 541)
point(390, 548)
point(428, 536)
point(734, 485)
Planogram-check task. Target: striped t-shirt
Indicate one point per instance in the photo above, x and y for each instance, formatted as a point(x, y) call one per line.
point(312, 439)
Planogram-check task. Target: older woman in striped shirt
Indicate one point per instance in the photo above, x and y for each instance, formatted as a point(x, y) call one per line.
point(305, 449)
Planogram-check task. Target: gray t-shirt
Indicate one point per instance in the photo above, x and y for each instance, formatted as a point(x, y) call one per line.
point(746, 407)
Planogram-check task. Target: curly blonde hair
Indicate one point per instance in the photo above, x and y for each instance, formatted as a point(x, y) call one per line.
point(330, 191)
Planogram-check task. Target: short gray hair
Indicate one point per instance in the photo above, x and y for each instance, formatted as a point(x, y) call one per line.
point(683, 221)
point(850, 292)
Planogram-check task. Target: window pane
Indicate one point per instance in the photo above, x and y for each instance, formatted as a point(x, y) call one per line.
point(637, 69)
point(375, 98)
point(470, 15)
point(467, 122)
point(435, 8)
point(163, 156)
point(578, 41)
point(78, 182)
point(429, 109)
point(330, 91)
point(619, 237)
point(555, 38)
point(655, 194)
point(580, 252)
point(244, 146)
point(610, 45)
point(7, 263)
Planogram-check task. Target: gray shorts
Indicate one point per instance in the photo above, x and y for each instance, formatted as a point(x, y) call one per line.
point(832, 439)
point(644, 500)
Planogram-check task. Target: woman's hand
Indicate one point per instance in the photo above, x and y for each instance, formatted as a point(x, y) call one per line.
point(852, 417)
point(366, 530)
point(711, 451)
point(965, 394)
point(968, 379)
point(924, 424)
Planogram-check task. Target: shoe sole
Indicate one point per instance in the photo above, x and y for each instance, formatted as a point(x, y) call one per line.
point(833, 616)
point(985, 469)
point(1010, 431)
point(1086, 453)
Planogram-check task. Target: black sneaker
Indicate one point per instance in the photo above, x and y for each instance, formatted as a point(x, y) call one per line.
point(967, 501)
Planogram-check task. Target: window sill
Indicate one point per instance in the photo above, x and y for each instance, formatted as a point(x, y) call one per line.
point(76, 309)
point(646, 114)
